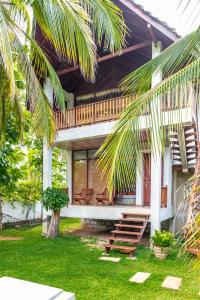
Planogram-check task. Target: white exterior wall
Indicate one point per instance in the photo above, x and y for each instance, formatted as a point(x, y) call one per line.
point(18, 211)
point(108, 212)
point(100, 212)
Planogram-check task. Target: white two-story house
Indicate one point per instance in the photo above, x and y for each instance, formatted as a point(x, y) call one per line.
point(91, 112)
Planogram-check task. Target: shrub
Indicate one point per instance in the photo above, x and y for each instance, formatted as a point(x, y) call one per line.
point(163, 239)
point(54, 199)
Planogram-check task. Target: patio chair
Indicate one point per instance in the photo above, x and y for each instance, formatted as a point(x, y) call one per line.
point(103, 198)
point(84, 197)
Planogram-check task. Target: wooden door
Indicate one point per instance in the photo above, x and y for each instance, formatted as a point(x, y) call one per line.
point(147, 178)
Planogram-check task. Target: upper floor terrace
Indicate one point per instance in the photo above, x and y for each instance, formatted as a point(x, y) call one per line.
point(181, 100)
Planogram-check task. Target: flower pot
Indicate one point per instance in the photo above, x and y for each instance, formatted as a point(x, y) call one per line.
point(161, 252)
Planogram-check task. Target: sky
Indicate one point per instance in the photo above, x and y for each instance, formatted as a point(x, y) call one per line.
point(168, 11)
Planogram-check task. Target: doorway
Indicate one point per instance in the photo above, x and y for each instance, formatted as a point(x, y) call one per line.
point(147, 179)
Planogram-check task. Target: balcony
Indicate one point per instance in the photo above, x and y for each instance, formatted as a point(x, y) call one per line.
point(109, 110)
point(92, 113)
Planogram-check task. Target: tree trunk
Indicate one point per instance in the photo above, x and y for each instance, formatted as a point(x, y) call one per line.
point(53, 230)
point(1, 216)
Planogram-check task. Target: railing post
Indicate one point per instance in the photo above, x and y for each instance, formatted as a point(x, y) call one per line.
point(93, 112)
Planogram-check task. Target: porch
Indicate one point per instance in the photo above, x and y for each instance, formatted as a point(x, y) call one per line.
point(84, 177)
point(113, 212)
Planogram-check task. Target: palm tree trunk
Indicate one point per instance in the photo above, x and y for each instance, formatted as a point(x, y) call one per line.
point(53, 230)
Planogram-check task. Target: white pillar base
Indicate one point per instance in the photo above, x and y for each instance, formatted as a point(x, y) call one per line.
point(155, 192)
point(69, 174)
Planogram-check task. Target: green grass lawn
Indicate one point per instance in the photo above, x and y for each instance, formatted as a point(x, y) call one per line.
point(72, 265)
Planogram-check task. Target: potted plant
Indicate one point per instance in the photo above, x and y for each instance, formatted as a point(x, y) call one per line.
point(54, 199)
point(162, 241)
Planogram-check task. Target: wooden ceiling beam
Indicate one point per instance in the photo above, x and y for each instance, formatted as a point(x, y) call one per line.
point(108, 56)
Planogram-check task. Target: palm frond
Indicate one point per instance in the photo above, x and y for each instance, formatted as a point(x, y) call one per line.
point(71, 26)
point(173, 58)
point(191, 9)
point(29, 65)
point(6, 57)
point(20, 12)
point(108, 24)
point(121, 150)
point(67, 26)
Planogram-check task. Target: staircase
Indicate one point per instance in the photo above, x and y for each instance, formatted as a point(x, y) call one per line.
point(184, 145)
point(128, 231)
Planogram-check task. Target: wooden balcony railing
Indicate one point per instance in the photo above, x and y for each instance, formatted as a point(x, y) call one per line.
point(92, 113)
point(110, 109)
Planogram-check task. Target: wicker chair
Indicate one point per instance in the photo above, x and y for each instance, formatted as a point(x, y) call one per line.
point(103, 198)
point(84, 197)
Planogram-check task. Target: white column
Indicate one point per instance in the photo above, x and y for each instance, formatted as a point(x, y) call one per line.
point(47, 158)
point(69, 174)
point(167, 180)
point(156, 157)
point(172, 224)
point(139, 181)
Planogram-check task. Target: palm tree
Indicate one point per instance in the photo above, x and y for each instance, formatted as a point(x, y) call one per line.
point(180, 65)
point(74, 28)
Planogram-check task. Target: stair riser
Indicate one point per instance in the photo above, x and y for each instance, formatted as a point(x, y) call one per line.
point(129, 226)
point(129, 229)
point(125, 233)
point(124, 240)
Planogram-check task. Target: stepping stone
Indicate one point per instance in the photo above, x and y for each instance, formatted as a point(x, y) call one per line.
point(172, 282)
point(132, 258)
point(109, 258)
point(140, 277)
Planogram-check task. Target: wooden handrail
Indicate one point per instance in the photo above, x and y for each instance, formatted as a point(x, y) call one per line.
point(109, 110)
point(103, 111)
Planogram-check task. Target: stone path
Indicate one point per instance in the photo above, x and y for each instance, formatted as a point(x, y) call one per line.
point(140, 277)
point(132, 258)
point(171, 282)
point(109, 258)
point(10, 238)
